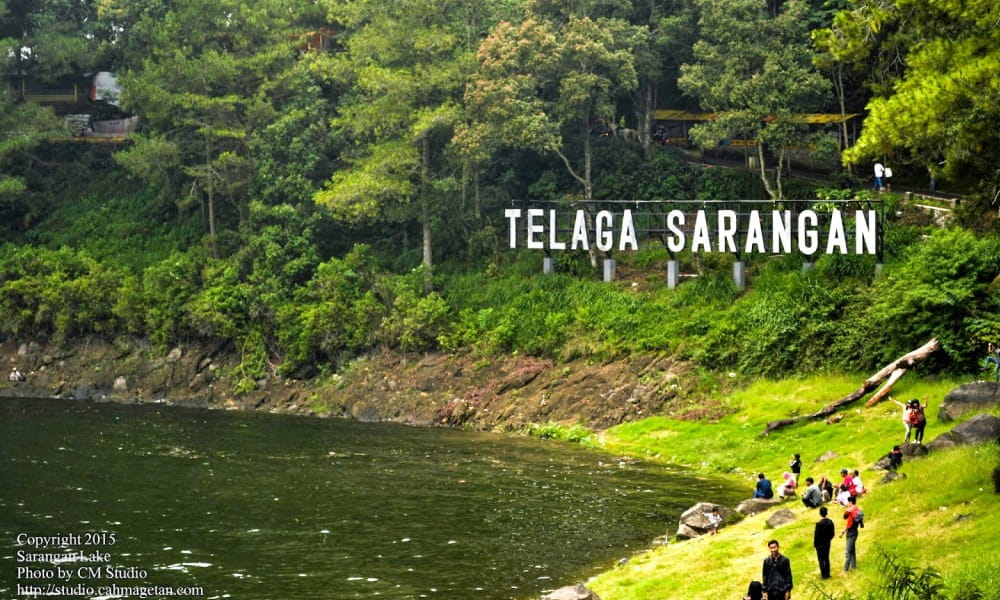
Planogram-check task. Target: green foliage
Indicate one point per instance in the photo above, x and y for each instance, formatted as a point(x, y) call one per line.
point(335, 313)
point(57, 294)
point(756, 89)
point(576, 434)
point(941, 288)
point(155, 306)
point(937, 112)
point(415, 321)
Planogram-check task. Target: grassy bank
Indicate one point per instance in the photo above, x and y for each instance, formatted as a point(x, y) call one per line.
point(943, 515)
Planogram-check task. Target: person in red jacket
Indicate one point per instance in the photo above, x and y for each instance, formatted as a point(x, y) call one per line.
point(855, 520)
point(848, 482)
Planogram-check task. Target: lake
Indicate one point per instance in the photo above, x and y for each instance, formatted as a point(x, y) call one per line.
point(104, 501)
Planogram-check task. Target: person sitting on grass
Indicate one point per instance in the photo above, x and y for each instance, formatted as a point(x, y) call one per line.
point(714, 520)
point(813, 496)
point(763, 489)
point(844, 496)
point(787, 488)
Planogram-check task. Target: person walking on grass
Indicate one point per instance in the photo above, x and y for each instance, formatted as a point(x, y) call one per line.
point(822, 537)
point(776, 574)
point(855, 521)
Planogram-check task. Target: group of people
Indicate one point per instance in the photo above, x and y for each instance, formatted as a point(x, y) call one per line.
point(776, 574)
point(914, 419)
point(883, 177)
point(16, 375)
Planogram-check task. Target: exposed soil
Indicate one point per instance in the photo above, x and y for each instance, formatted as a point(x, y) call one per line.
point(505, 392)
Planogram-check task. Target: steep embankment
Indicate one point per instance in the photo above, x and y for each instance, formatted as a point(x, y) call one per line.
point(505, 392)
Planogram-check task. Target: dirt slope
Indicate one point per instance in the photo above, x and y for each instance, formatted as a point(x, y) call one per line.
point(503, 392)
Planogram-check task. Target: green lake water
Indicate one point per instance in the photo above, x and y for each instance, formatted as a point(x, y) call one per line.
point(214, 504)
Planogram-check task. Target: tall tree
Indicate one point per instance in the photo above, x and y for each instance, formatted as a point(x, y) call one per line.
point(544, 84)
point(405, 64)
point(755, 72)
point(943, 109)
point(841, 53)
point(215, 74)
point(45, 41)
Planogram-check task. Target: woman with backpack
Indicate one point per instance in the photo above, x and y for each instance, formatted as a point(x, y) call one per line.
point(907, 418)
point(918, 420)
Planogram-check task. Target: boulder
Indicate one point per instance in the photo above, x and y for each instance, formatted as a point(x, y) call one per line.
point(980, 429)
point(893, 476)
point(693, 523)
point(911, 449)
point(828, 455)
point(752, 506)
point(969, 397)
point(687, 532)
point(572, 592)
point(780, 517)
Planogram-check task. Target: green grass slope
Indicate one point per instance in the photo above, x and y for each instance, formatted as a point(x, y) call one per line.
point(944, 514)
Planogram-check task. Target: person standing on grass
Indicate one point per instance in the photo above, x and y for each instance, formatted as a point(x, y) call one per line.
point(776, 574)
point(907, 418)
point(918, 420)
point(822, 537)
point(993, 356)
point(855, 520)
point(796, 467)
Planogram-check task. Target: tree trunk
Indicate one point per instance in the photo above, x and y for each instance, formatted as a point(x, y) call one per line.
point(210, 188)
point(885, 389)
point(425, 216)
point(904, 362)
point(763, 172)
point(838, 82)
point(475, 195)
point(644, 118)
point(588, 189)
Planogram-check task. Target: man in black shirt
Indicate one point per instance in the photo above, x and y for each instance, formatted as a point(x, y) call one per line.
point(777, 574)
point(822, 538)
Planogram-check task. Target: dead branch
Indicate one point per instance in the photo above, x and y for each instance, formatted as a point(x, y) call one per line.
point(885, 389)
point(904, 362)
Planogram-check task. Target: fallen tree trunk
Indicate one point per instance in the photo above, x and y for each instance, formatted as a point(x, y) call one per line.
point(885, 389)
point(904, 362)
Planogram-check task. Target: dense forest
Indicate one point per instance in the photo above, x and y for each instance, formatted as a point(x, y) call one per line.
point(308, 180)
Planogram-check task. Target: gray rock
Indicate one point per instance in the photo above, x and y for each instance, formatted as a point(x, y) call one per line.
point(828, 455)
point(882, 464)
point(693, 523)
point(780, 517)
point(752, 506)
point(688, 532)
point(970, 397)
point(893, 476)
point(120, 385)
point(911, 449)
point(572, 592)
point(82, 392)
point(174, 355)
point(980, 429)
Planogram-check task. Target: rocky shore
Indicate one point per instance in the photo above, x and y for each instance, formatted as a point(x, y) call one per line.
point(498, 392)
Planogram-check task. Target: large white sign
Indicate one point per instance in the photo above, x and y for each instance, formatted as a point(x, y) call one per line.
point(758, 232)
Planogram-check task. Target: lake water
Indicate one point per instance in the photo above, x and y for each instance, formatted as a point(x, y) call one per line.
point(214, 504)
